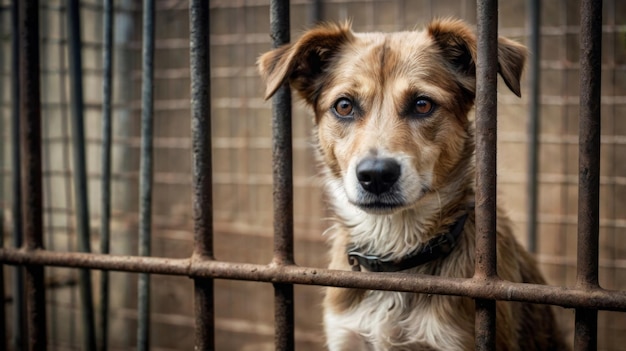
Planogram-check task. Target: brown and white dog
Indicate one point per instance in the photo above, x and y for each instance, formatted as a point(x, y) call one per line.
point(396, 146)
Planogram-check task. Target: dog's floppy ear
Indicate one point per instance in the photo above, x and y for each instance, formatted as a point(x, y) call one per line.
point(457, 43)
point(303, 62)
point(511, 59)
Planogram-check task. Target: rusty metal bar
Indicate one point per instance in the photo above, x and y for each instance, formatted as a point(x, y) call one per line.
point(19, 305)
point(32, 186)
point(283, 185)
point(3, 326)
point(486, 138)
point(282, 145)
point(586, 323)
point(201, 128)
point(3, 311)
point(105, 232)
point(534, 79)
point(199, 30)
point(146, 174)
point(290, 274)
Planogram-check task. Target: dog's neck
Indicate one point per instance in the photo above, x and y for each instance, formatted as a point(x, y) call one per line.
point(398, 234)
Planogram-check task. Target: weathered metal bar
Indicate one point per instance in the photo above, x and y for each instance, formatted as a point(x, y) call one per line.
point(3, 321)
point(3, 326)
point(204, 314)
point(19, 305)
point(80, 169)
point(105, 225)
point(283, 185)
point(32, 186)
point(534, 78)
point(474, 288)
point(586, 323)
point(3, 331)
point(284, 335)
point(199, 30)
point(485, 327)
point(486, 138)
point(317, 11)
point(282, 145)
point(146, 174)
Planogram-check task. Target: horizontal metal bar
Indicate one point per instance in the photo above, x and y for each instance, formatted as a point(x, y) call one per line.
point(495, 289)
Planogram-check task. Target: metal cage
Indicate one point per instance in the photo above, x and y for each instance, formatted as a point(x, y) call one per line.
point(586, 297)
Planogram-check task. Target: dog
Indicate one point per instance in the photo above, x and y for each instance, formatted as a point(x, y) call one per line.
point(396, 147)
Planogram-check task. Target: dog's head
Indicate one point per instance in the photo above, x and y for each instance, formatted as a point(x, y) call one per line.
point(390, 109)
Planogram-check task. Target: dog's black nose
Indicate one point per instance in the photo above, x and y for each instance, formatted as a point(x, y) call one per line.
point(377, 175)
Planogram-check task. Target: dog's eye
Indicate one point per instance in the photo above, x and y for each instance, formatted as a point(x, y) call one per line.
point(423, 107)
point(344, 108)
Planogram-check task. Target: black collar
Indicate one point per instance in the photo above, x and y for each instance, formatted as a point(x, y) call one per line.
point(439, 246)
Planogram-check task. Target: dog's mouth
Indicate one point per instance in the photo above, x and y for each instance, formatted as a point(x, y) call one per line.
point(380, 207)
point(387, 203)
point(380, 204)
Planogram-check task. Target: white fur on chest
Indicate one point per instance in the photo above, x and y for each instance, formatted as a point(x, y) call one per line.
point(391, 321)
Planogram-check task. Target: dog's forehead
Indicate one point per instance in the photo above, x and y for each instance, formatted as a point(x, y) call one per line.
point(384, 57)
point(388, 50)
point(395, 62)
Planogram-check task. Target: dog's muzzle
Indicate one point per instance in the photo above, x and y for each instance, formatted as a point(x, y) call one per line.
point(378, 175)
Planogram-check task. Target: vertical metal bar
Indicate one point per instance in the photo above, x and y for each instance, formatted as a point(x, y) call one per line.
point(282, 148)
point(283, 185)
point(105, 236)
point(201, 127)
point(586, 323)
point(66, 150)
point(146, 172)
point(32, 187)
point(80, 169)
point(124, 29)
point(202, 168)
point(486, 137)
point(19, 310)
point(3, 325)
point(3, 314)
point(316, 13)
point(284, 317)
point(534, 28)
point(3, 335)
point(49, 224)
point(564, 197)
